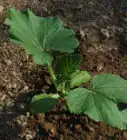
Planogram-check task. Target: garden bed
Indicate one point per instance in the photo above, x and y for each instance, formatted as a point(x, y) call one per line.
point(98, 29)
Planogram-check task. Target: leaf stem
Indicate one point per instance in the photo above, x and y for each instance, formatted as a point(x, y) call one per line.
point(54, 79)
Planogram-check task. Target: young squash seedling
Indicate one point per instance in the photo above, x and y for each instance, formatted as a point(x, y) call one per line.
point(41, 37)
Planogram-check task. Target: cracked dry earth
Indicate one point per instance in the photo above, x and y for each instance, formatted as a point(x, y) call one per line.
point(98, 28)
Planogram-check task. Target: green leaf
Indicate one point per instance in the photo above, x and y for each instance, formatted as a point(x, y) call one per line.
point(65, 67)
point(124, 116)
point(63, 86)
point(100, 103)
point(97, 107)
point(67, 64)
point(43, 103)
point(37, 34)
point(79, 77)
point(111, 86)
point(43, 58)
point(76, 79)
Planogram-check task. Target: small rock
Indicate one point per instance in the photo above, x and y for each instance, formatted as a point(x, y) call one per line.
point(24, 124)
point(5, 43)
point(45, 9)
point(8, 62)
point(22, 118)
point(77, 126)
point(90, 4)
point(82, 33)
point(25, 88)
point(1, 109)
point(45, 87)
point(100, 67)
point(56, 117)
point(13, 85)
point(88, 137)
point(29, 137)
point(49, 127)
point(21, 106)
point(100, 138)
point(10, 103)
point(105, 33)
point(47, 79)
point(53, 131)
point(120, 29)
point(9, 86)
point(3, 97)
point(90, 128)
point(80, 6)
point(27, 114)
point(14, 73)
point(19, 122)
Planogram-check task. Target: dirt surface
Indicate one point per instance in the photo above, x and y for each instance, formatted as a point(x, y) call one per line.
point(99, 30)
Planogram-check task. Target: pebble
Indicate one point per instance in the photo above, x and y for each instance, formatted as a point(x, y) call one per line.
point(90, 128)
point(21, 106)
point(80, 6)
point(105, 33)
point(53, 130)
point(82, 33)
point(14, 73)
point(47, 79)
point(1, 109)
point(13, 85)
point(24, 124)
point(49, 127)
point(45, 87)
point(5, 44)
point(77, 126)
point(10, 103)
point(25, 88)
point(8, 62)
point(100, 67)
point(56, 117)
point(100, 138)
point(46, 10)
point(19, 122)
point(3, 97)
point(27, 114)
point(29, 137)
point(22, 117)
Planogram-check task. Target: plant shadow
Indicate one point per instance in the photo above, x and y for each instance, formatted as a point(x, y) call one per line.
point(9, 127)
point(122, 106)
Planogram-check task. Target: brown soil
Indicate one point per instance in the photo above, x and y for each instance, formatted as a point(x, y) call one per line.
point(98, 29)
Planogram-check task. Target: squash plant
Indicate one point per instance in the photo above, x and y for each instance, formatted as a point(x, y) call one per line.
point(44, 37)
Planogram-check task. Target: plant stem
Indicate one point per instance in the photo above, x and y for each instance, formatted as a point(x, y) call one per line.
point(54, 79)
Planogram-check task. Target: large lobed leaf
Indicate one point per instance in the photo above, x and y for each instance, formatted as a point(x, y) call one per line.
point(40, 35)
point(111, 86)
point(100, 103)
